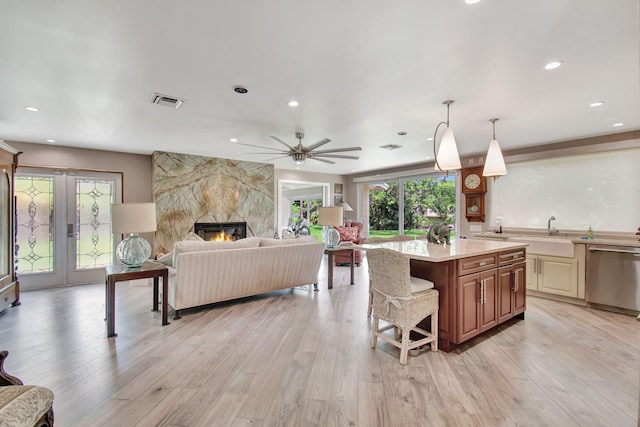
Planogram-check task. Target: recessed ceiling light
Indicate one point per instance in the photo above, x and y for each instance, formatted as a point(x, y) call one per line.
point(234, 140)
point(596, 104)
point(353, 170)
point(553, 65)
point(618, 124)
point(240, 89)
point(293, 103)
point(430, 139)
point(51, 140)
point(471, 1)
point(34, 109)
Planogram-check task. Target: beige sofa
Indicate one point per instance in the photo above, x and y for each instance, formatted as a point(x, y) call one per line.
point(208, 272)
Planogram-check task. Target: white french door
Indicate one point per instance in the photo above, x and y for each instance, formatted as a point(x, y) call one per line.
point(64, 226)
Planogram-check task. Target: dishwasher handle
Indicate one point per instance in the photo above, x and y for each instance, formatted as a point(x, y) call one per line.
point(618, 251)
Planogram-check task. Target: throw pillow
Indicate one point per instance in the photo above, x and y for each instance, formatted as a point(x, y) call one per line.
point(166, 259)
point(348, 234)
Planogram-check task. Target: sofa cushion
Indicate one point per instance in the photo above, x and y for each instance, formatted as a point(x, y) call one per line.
point(348, 234)
point(166, 259)
point(279, 242)
point(196, 246)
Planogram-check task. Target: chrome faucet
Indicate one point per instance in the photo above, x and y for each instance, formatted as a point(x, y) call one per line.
point(551, 230)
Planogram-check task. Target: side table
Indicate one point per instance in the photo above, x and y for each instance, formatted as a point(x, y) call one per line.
point(119, 272)
point(338, 250)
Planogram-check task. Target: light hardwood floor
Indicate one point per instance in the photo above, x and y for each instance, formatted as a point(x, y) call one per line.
point(300, 358)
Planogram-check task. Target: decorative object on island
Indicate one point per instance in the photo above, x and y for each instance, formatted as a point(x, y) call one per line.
point(438, 233)
point(446, 156)
point(345, 208)
point(328, 217)
point(133, 218)
point(494, 163)
point(474, 186)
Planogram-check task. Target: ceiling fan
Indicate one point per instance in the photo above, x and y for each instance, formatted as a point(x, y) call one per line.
point(300, 153)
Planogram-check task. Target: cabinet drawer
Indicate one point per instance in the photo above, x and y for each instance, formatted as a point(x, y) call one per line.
point(477, 263)
point(512, 256)
point(7, 296)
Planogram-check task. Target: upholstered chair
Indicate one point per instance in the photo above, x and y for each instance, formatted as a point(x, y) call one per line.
point(402, 301)
point(351, 232)
point(23, 405)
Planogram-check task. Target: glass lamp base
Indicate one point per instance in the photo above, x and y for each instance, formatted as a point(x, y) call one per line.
point(133, 251)
point(330, 236)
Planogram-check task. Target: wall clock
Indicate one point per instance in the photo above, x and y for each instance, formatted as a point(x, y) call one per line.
point(474, 185)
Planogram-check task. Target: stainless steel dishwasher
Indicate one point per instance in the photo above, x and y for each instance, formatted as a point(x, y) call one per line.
point(613, 276)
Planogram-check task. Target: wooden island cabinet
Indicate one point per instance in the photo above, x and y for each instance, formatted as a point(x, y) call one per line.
point(481, 284)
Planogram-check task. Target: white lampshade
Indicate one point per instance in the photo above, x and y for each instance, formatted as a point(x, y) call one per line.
point(494, 163)
point(448, 157)
point(133, 218)
point(345, 207)
point(330, 215)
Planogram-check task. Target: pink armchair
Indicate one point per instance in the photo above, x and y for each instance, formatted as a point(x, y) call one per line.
point(347, 233)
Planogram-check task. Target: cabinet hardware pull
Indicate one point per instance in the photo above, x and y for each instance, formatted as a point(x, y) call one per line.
point(540, 265)
point(482, 263)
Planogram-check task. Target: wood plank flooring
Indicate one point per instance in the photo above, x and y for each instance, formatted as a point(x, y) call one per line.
point(302, 358)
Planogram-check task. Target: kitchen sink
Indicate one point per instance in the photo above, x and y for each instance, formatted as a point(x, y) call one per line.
point(547, 245)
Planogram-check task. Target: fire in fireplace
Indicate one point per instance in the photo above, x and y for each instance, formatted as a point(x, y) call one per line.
point(220, 230)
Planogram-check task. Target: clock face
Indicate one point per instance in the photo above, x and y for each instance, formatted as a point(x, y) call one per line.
point(472, 181)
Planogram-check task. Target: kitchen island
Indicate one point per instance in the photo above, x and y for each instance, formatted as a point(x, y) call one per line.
point(481, 283)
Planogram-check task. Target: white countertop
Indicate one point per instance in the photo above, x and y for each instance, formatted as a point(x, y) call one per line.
point(459, 248)
point(598, 240)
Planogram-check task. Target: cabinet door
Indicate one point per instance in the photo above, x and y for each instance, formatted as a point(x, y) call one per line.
point(488, 308)
point(505, 293)
point(520, 292)
point(468, 306)
point(558, 276)
point(532, 272)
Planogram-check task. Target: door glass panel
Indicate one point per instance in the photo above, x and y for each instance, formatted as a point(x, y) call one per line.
point(94, 241)
point(383, 209)
point(34, 197)
point(428, 201)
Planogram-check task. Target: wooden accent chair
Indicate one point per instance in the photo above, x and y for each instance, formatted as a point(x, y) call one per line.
point(23, 405)
point(402, 301)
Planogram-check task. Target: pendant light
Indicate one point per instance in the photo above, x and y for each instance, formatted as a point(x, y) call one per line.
point(446, 157)
point(494, 163)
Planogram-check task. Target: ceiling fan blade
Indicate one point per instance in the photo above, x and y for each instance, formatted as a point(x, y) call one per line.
point(282, 142)
point(338, 150)
point(322, 160)
point(275, 158)
point(260, 146)
point(253, 152)
point(318, 144)
point(333, 156)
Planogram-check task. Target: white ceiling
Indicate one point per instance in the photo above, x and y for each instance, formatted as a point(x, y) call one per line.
point(362, 70)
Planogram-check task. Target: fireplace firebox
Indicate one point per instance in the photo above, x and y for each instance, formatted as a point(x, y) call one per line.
point(217, 230)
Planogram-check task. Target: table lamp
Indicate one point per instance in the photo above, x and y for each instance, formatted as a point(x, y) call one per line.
point(133, 218)
point(328, 217)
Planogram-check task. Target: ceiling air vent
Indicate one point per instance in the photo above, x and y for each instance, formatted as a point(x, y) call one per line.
point(167, 101)
point(390, 147)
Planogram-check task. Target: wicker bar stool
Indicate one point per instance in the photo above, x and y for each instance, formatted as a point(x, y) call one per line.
point(400, 300)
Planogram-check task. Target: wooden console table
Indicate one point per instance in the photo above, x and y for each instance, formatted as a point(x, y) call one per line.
point(119, 272)
point(339, 250)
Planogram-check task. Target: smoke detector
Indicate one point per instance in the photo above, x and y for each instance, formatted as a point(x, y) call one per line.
point(167, 101)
